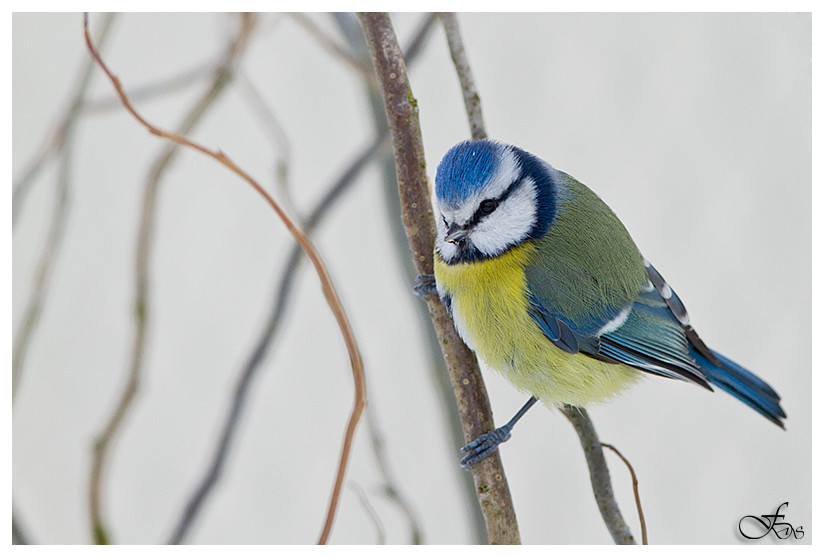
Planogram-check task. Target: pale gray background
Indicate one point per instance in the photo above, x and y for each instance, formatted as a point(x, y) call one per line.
point(694, 128)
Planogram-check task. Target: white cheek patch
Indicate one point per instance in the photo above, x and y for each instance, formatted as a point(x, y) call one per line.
point(509, 224)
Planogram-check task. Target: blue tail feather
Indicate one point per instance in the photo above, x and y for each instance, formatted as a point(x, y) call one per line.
point(742, 384)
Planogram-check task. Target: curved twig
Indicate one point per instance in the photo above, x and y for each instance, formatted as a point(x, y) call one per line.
point(155, 89)
point(283, 294)
point(371, 513)
point(599, 475)
point(471, 395)
point(326, 284)
point(103, 442)
point(59, 142)
point(635, 490)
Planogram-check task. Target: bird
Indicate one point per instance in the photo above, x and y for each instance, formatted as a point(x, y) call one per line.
point(545, 285)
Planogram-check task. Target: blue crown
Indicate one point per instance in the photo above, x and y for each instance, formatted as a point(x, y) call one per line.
point(465, 168)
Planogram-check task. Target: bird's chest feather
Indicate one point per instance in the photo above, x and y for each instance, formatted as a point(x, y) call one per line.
point(489, 305)
point(490, 311)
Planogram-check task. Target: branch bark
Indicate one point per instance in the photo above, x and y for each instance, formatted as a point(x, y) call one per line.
point(350, 27)
point(471, 395)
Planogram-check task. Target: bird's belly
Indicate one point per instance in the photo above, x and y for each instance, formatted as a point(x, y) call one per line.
point(490, 312)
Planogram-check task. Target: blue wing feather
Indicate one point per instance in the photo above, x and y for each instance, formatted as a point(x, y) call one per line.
point(649, 339)
point(652, 334)
point(558, 332)
point(742, 384)
point(655, 337)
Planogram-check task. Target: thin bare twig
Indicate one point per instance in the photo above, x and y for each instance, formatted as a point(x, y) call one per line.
point(57, 137)
point(59, 134)
point(283, 294)
point(59, 142)
point(149, 91)
point(45, 265)
point(472, 100)
point(279, 138)
point(373, 515)
point(326, 285)
point(471, 396)
point(102, 446)
point(635, 490)
point(389, 488)
point(599, 475)
point(332, 46)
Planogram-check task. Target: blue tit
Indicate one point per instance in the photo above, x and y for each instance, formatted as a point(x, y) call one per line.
point(545, 284)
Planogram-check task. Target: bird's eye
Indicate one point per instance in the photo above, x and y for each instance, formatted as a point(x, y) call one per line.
point(488, 206)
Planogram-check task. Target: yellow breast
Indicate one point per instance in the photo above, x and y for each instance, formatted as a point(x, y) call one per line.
point(489, 306)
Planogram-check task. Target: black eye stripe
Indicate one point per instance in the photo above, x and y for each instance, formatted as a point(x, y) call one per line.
point(492, 203)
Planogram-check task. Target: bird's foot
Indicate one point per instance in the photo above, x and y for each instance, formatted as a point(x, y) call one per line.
point(425, 285)
point(484, 445)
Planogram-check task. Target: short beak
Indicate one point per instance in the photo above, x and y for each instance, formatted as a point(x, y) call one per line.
point(457, 233)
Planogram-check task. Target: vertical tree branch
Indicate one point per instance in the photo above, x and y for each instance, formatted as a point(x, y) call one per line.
point(471, 395)
point(350, 27)
point(599, 475)
point(472, 100)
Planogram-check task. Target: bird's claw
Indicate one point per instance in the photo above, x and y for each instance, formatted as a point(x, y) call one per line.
point(425, 285)
point(484, 445)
